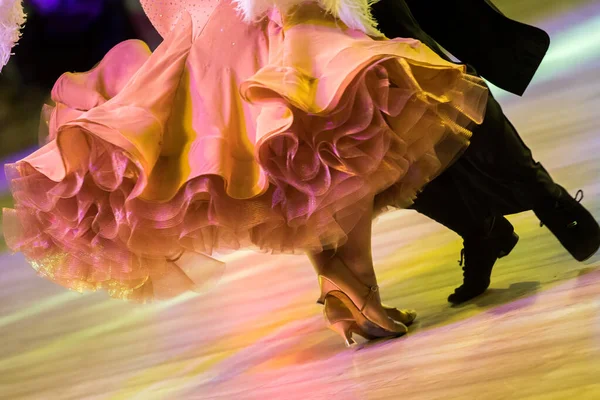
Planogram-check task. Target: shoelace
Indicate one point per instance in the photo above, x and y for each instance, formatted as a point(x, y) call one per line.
point(462, 257)
point(578, 197)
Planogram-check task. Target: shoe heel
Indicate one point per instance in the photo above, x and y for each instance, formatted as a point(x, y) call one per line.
point(344, 329)
point(508, 245)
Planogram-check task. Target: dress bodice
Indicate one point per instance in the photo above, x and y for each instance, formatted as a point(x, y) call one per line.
point(164, 14)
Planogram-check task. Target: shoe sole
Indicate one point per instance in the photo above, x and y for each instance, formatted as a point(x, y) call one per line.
point(592, 254)
point(370, 328)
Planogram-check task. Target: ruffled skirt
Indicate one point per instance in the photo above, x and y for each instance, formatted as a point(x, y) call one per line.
point(266, 136)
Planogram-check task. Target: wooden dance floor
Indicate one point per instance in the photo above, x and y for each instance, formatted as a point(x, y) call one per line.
point(258, 334)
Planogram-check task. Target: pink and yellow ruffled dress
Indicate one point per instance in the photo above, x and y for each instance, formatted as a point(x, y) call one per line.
point(230, 135)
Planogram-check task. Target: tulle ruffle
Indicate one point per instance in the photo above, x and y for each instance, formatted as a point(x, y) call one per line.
point(105, 204)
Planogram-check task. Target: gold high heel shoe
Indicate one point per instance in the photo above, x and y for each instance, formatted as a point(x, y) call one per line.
point(402, 315)
point(405, 316)
point(361, 301)
point(340, 320)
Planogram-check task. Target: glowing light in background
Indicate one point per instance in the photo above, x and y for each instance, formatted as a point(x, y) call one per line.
point(68, 7)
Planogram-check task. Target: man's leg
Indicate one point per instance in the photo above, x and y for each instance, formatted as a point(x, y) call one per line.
point(497, 176)
point(451, 201)
point(501, 167)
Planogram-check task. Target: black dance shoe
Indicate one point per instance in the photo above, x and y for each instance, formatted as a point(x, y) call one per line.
point(573, 225)
point(479, 256)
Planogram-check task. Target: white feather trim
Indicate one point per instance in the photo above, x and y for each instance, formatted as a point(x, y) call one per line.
point(12, 18)
point(356, 14)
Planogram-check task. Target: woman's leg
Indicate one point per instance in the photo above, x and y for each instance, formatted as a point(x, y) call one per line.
point(349, 285)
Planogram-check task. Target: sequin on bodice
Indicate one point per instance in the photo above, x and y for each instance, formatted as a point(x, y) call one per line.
point(164, 14)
